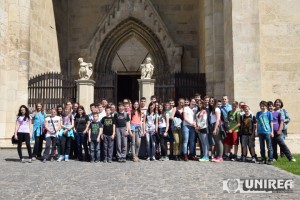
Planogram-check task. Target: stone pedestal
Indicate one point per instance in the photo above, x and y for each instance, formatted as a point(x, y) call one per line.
point(85, 93)
point(146, 88)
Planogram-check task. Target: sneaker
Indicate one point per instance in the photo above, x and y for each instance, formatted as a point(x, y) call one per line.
point(233, 157)
point(124, 160)
point(293, 160)
point(244, 159)
point(33, 158)
point(52, 159)
point(148, 159)
point(60, 158)
point(22, 160)
point(153, 158)
point(66, 158)
point(270, 162)
point(44, 161)
point(120, 160)
point(96, 161)
point(263, 161)
point(253, 160)
point(109, 161)
point(30, 160)
point(105, 160)
point(204, 159)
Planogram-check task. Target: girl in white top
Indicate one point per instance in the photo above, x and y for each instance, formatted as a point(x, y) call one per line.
point(215, 120)
point(23, 131)
point(53, 126)
point(201, 129)
point(162, 127)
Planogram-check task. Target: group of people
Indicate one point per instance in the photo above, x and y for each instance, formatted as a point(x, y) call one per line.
point(134, 131)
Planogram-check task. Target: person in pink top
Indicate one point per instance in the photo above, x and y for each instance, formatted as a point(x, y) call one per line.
point(23, 131)
point(136, 130)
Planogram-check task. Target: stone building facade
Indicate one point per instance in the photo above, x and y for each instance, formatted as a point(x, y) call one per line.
point(248, 50)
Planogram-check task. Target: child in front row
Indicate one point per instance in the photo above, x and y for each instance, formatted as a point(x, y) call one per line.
point(247, 133)
point(94, 138)
point(107, 133)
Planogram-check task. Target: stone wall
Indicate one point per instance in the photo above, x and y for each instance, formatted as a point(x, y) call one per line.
point(212, 45)
point(179, 16)
point(44, 53)
point(280, 55)
point(14, 61)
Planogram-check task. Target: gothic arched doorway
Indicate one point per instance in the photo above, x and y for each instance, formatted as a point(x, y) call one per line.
point(122, 52)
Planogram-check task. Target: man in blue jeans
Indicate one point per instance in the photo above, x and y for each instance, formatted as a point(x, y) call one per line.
point(265, 132)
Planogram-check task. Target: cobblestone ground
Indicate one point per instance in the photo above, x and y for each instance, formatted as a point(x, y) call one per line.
point(143, 180)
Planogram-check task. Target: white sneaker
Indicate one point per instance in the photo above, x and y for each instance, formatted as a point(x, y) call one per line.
point(148, 159)
point(293, 160)
point(22, 160)
point(60, 158)
point(30, 160)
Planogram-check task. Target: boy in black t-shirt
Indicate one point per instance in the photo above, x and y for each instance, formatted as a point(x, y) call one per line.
point(107, 132)
point(122, 131)
point(94, 138)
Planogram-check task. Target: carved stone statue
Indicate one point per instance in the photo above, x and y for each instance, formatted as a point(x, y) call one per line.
point(147, 69)
point(85, 70)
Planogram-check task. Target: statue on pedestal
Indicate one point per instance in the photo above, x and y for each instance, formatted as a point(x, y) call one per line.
point(85, 70)
point(147, 69)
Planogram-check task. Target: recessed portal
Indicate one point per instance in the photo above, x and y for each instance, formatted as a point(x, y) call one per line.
point(128, 87)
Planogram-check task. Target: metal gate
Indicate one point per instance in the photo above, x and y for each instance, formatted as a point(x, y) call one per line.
point(51, 89)
point(105, 86)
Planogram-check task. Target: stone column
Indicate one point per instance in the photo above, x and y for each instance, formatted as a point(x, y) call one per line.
point(146, 88)
point(85, 93)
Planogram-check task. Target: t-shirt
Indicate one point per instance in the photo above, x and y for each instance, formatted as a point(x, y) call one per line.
point(201, 120)
point(101, 115)
point(80, 122)
point(213, 115)
point(190, 115)
point(136, 118)
point(94, 127)
point(150, 122)
point(263, 122)
point(67, 120)
point(107, 124)
point(233, 119)
point(121, 119)
point(23, 125)
point(53, 125)
point(247, 123)
point(225, 108)
point(277, 118)
point(162, 121)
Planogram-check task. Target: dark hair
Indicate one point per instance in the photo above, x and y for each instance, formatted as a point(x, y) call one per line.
point(143, 98)
point(138, 110)
point(280, 102)
point(197, 94)
point(270, 103)
point(92, 104)
point(212, 107)
point(264, 103)
point(150, 104)
point(153, 96)
point(26, 112)
point(163, 111)
point(108, 107)
point(120, 104)
point(82, 108)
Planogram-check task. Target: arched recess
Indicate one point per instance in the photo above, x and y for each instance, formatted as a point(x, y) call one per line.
point(131, 27)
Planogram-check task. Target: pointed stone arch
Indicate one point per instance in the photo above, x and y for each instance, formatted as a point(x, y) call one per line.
point(127, 29)
point(144, 23)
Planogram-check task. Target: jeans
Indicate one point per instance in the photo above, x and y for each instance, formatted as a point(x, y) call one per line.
point(95, 150)
point(65, 145)
point(188, 133)
point(121, 142)
point(82, 140)
point(177, 141)
point(204, 142)
point(218, 143)
point(50, 141)
point(108, 147)
point(283, 147)
point(262, 139)
point(136, 141)
point(151, 139)
point(26, 137)
point(163, 141)
point(38, 146)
